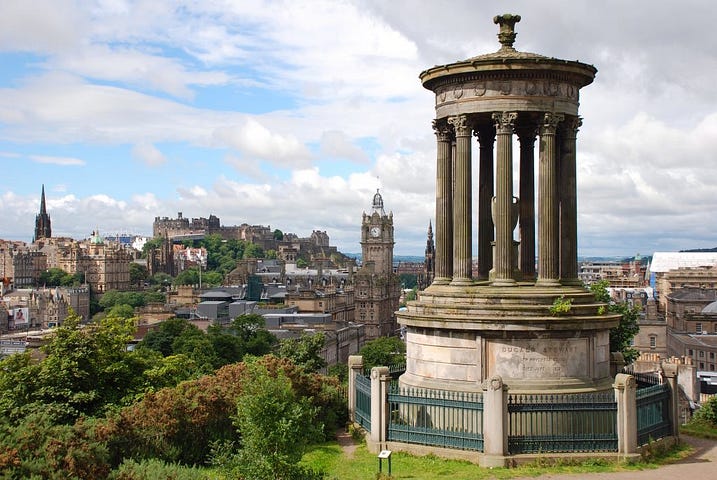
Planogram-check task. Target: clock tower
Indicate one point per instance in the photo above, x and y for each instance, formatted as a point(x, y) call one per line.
point(376, 287)
point(377, 237)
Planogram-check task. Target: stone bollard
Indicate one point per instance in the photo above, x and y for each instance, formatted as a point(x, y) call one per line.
point(495, 423)
point(379, 407)
point(355, 368)
point(626, 398)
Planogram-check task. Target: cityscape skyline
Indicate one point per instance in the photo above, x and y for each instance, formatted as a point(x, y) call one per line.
point(292, 114)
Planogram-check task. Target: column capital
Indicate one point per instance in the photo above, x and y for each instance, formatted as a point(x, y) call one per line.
point(504, 121)
point(442, 131)
point(485, 136)
point(550, 123)
point(461, 125)
point(570, 126)
point(527, 135)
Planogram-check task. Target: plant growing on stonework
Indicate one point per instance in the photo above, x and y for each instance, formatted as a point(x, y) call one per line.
point(561, 306)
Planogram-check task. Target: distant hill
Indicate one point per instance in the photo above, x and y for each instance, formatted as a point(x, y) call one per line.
point(701, 250)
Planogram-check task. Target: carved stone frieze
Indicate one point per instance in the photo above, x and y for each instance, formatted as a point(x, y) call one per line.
point(502, 88)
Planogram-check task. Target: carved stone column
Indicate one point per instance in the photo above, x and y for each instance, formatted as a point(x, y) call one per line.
point(444, 205)
point(548, 219)
point(503, 202)
point(568, 203)
point(462, 232)
point(526, 136)
point(486, 138)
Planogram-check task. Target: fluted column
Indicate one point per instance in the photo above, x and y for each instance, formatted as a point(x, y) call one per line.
point(462, 233)
point(548, 219)
point(568, 203)
point(444, 205)
point(526, 136)
point(486, 138)
point(503, 203)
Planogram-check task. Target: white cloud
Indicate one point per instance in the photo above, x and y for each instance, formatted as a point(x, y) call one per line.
point(149, 154)
point(64, 161)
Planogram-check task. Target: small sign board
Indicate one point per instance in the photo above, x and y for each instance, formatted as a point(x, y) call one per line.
point(384, 454)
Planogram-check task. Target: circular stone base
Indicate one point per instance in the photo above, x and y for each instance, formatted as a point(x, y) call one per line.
point(536, 339)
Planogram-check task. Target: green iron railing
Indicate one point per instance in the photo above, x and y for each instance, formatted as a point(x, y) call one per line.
point(653, 413)
point(585, 422)
point(436, 417)
point(363, 402)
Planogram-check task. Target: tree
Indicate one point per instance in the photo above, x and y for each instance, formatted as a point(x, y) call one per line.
point(275, 424)
point(278, 235)
point(189, 276)
point(138, 274)
point(622, 335)
point(301, 263)
point(151, 244)
point(252, 250)
point(304, 351)
point(383, 351)
point(409, 280)
point(56, 277)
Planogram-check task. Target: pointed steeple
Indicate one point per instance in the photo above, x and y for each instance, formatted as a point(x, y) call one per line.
point(43, 209)
point(43, 228)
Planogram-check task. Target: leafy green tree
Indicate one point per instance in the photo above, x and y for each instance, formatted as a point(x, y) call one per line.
point(85, 371)
point(56, 277)
point(212, 279)
point(276, 426)
point(278, 235)
point(162, 339)
point(138, 274)
point(151, 244)
point(383, 351)
point(252, 250)
point(189, 276)
point(304, 351)
point(622, 335)
point(161, 278)
point(301, 263)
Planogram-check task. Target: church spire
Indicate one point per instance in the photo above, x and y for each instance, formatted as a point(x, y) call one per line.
point(43, 209)
point(43, 228)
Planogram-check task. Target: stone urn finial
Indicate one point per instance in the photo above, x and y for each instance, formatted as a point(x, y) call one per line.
point(507, 34)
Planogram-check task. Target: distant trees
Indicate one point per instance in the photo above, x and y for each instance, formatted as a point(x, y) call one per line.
point(56, 277)
point(304, 351)
point(383, 351)
point(622, 335)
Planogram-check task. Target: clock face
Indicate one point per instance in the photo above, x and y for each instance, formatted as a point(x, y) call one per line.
point(375, 231)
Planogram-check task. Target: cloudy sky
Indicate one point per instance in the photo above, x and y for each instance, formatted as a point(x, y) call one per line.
point(292, 113)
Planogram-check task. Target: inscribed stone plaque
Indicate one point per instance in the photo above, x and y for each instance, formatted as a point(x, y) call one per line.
point(538, 359)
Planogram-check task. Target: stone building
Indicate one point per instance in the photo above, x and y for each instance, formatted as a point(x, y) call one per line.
point(21, 264)
point(376, 288)
point(49, 307)
point(337, 302)
point(691, 317)
point(670, 271)
point(104, 265)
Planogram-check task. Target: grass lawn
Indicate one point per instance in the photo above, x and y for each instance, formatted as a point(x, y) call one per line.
point(364, 465)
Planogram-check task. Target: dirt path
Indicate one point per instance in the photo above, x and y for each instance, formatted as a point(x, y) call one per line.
point(348, 445)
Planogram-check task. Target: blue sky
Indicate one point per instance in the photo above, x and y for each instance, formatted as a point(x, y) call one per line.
point(292, 113)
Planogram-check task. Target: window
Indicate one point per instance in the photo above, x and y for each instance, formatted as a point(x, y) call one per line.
point(698, 327)
point(702, 354)
point(653, 341)
point(702, 366)
point(712, 355)
point(689, 352)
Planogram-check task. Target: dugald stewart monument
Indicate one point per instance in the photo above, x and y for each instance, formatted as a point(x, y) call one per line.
point(536, 329)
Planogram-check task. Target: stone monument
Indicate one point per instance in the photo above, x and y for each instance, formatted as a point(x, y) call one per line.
point(538, 329)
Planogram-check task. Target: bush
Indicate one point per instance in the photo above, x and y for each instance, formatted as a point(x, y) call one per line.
point(155, 469)
point(708, 412)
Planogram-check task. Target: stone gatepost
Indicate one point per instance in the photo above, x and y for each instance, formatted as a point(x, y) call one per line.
point(626, 398)
point(670, 372)
point(355, 368)
point(380, 380)
point(495, 423)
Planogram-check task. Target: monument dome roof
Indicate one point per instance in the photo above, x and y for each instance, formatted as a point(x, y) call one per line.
point(508, 59)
